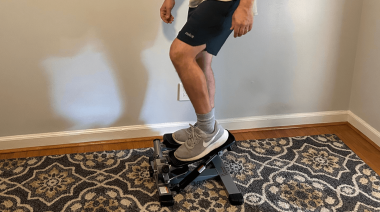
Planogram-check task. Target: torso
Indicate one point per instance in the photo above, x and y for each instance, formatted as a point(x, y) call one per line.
point(195, 3)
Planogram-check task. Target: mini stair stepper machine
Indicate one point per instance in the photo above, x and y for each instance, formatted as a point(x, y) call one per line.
point(172, 175)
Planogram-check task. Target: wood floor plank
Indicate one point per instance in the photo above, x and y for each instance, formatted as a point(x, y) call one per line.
point(246, 136)
point(6, 156)
point(81, 149)
point(61, 151)
point(281, 133)
point(257, 135)
point(34, 153)
point(147, 144)
point(347, 133)
point(313, 131)
point(295, 132)
point(238, 136)
point(73, 150)
point(269, 134)
point(19, 155)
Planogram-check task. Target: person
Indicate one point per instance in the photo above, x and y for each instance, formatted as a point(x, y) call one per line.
point(209, 24)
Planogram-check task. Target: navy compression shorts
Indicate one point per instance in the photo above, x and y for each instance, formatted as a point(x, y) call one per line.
point(209, 24)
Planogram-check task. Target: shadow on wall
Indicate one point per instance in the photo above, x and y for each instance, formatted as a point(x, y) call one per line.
point(344, 61)
point(254, 73)
point(168, 29)
point(326, 36)
point(299, 57)
point(161, 105)
point(69, 65)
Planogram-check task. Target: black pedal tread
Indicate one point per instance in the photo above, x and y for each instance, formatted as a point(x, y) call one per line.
point(166, 200)
point(151, 171)
point(169, 141)
point(180, 170)
point(236, 199)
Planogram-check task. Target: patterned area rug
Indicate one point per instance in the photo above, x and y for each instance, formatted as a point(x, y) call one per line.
point(311, 173)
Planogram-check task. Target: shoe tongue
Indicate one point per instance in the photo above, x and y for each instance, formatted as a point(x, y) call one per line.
point(196, 131)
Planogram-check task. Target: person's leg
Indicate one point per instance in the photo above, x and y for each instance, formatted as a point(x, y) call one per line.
point(208, 134)
point(204, 60)
point(194, 81)
point(194, 69)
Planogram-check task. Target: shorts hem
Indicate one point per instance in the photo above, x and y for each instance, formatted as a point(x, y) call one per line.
point(187, 40)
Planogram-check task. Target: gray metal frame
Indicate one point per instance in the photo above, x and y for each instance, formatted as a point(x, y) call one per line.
point(164, 183)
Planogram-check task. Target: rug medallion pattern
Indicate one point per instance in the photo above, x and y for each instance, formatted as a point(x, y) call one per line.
point(308, 173)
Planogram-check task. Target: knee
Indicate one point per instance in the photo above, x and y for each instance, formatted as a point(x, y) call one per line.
point(180, 57)
point(176, 55)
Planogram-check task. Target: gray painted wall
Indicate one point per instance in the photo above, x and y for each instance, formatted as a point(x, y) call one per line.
point(71, 65)
point(365, 97)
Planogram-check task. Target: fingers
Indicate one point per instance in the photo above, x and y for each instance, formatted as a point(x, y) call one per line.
point(240, 31)
point(167, 18)
point(249, 27)
point(241, 23)
point(234, 28)
point(163, 14)
point(166, 15)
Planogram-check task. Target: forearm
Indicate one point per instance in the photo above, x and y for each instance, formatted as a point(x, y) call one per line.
point(246, 4)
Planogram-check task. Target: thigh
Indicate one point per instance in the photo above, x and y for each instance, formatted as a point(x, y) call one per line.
point(184, 50)
point(204, 59)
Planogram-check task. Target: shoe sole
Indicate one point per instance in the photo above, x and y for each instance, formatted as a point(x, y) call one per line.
point(209, 148)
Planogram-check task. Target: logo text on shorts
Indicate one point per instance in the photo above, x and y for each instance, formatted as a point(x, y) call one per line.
point(189, 34)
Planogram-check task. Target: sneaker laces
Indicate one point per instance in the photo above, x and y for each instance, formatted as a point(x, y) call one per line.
point(192, 140)
point(188, 130)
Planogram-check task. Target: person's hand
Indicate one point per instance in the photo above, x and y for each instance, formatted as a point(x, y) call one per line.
point(166, 10)
point(242, 21)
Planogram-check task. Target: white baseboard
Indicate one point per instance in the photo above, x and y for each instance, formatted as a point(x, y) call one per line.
point(364, 127)
point(112, 133)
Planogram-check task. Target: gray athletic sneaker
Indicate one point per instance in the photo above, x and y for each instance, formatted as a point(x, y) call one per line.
point(182, 135)
point(199, 144)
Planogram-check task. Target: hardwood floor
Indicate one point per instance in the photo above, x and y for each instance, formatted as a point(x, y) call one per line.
point(359, 143)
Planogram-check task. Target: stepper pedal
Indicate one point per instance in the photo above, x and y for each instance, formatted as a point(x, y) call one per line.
point(236, 199)
point(210, 166)
point(166, 201)
point(169, 141)
point(178, 163)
